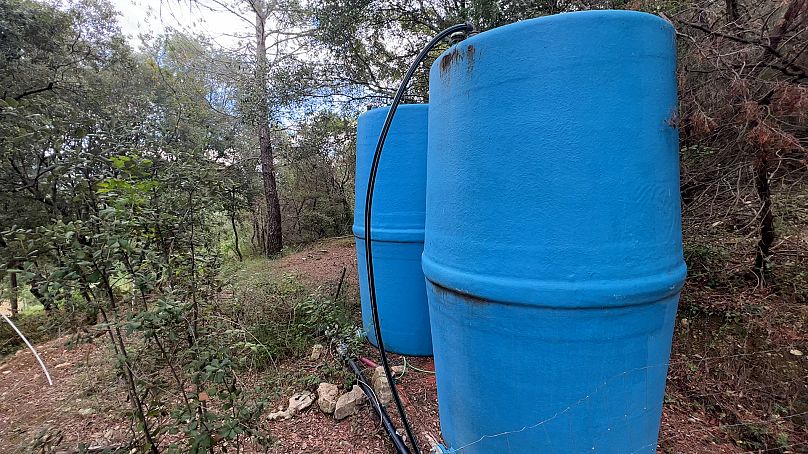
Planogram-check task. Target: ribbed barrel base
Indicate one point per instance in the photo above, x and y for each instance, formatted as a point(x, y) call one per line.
point(541, 379)
point(400, 295)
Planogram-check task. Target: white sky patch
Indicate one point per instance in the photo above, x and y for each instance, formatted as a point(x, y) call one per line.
point(154, 17)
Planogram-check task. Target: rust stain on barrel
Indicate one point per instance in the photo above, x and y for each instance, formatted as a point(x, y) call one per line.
point(448, 59)
point(457, 55)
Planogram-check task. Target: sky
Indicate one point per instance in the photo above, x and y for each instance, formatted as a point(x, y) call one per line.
point(155, 16)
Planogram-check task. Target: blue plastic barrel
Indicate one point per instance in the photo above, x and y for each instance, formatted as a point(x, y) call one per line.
point(397, 229)
point(553, 248)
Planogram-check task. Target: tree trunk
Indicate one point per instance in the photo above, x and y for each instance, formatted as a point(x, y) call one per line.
point(766, 216)
point(732, 10)
point(274, 241)
point(347, 216)
point(137, 402)
point(235, 234)
point(274, 237)
point(14, 292)
point(36, 290)
point(255, 239)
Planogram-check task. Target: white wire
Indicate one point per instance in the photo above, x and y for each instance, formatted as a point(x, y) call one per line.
point(30, 347)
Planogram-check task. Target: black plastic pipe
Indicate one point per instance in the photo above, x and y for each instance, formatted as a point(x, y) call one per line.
point(401, 448)
point(464, 29)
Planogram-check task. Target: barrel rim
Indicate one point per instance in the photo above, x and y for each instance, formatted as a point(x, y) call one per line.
point(608, 14)
point(401, 108)
point(391, 235)
point(598, 293)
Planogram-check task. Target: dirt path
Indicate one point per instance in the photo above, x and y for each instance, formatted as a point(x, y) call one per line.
point(321, 265)
point(83, 405)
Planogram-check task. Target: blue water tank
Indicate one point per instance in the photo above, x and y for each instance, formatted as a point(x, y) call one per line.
point(397, 231)
point(553, 248)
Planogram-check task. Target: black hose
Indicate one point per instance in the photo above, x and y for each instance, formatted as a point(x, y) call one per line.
point(467, 28)
point(401, 448)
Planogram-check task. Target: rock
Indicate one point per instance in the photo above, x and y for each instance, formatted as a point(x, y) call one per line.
point(348, 403)
point(297, 403)
point(381, 386)
point(379, 371)
point(327, 395)
point(86, 412)
point(301, 401)
point(276, 415)
point(316, 351)
point(280, 415)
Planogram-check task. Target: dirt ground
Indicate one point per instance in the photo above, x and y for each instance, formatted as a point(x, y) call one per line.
point(321, 265)
point(314, 432)
point(86, 403)
point(83, 405)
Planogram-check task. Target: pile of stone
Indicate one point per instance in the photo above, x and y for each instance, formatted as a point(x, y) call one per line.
point(331, 401)
point(341, 406)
